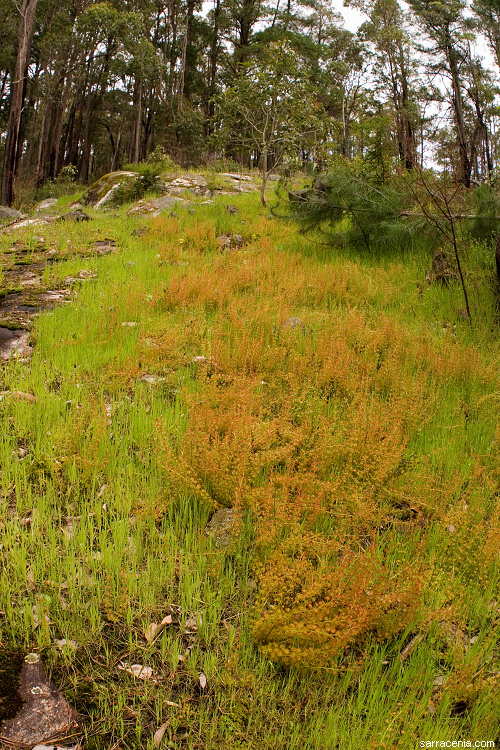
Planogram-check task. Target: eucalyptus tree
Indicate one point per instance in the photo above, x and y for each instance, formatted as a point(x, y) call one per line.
point(271, 109)
point(17, 93)
point(394, 66)
point(242, 22)
point(449, 32)
point(334, 61)
point(487, 14)
point(481, 90)
point(56, 61)
point(342, 84)
point(9, 23)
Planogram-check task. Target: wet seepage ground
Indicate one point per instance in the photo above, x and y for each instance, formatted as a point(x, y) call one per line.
point(24, 293)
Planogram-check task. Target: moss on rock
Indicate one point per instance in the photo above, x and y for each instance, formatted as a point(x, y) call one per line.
point(103, 190)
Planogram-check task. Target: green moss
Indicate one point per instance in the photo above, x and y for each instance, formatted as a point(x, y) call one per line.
point(104, 184)
point(12, 325)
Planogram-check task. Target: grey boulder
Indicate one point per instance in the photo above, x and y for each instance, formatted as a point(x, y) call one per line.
point(9, 213)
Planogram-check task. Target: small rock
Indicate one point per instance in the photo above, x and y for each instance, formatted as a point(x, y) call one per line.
point(443, 271)
point(77, 215)
point(221, 526)
point(30, 223)
point(18, 396)
point(438, 682)
point(53, 296)
point(237, 177)
point(30, 279)
point(176, 191)
point(45, 715)
point(231, 209)
point(14, 344)
point(152, 379)
point(292, 323)
point(9, 213)
point(182, 182)
point(104, 190)
point(199, 180)
point(154, 207)
point(69, 644)
point(230, 241)
point(201, 191)
point(104, 247)
point(45, 205)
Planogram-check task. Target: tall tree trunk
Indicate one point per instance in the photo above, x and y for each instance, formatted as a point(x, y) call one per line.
point(89, 109)
point(172, 17)
point(30, 124)
point(214, 55)
point(185, 46)
point(42, 145)
point(56, 151)
point(408, 137)
point(246, 21)
point(265, 175)
point(115, 164)
point(87, 142)
point(458, 110)
point(148, 123)
point(69, 149)
point(136, 125)
point(481, 134)
point(25, 34)
point(74, 128)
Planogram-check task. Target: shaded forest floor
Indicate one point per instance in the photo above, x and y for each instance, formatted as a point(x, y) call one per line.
point(346, 410)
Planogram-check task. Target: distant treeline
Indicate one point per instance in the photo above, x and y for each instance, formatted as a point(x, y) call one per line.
point(89, 87)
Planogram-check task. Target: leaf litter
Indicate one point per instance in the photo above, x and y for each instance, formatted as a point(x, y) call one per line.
point(152, 631)
point(141, 671)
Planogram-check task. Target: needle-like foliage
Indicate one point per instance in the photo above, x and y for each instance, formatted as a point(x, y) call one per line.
point(349, 210)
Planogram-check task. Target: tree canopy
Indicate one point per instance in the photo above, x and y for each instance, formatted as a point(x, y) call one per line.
point(94, 86)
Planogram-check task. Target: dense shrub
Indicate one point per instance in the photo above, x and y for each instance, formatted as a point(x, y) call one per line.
point(147, 181)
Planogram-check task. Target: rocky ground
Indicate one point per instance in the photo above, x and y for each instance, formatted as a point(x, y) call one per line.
point(173, 189)
point(23, 294)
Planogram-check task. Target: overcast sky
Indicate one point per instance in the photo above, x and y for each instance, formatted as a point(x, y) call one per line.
point(353, 18)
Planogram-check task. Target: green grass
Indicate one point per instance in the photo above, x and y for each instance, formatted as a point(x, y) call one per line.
point(98, 542)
